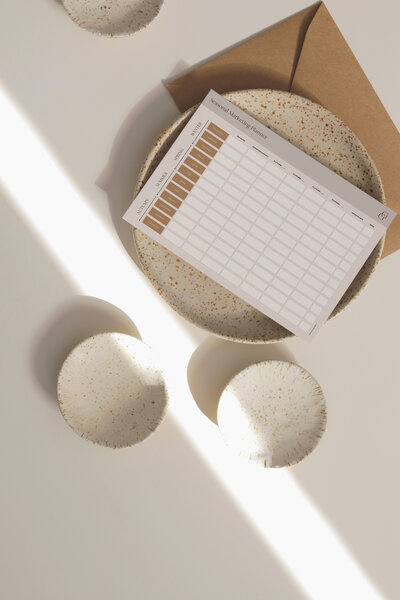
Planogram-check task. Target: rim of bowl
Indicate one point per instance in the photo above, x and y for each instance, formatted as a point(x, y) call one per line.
point(83, 436)
point(323, 398)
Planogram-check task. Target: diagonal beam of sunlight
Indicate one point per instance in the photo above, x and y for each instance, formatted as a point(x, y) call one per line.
point(93, 257)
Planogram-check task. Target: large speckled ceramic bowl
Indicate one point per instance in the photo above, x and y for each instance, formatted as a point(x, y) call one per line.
point(200, 299)
point(113, 18)
point(111, 391)
point(272, 413)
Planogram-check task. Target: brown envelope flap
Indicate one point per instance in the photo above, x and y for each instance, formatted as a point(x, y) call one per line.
point(267, 60)
point(308, 55)
point(328, 73)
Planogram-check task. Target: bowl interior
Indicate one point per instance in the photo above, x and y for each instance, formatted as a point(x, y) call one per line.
point(272, 413)
point(111, 391)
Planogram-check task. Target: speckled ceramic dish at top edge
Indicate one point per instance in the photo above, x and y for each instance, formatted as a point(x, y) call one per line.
point(113, 18)
point(201, 300)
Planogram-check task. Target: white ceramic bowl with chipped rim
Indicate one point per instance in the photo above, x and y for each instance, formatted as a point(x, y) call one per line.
point(272, 413)
point(113, 18)
point(111, 390)
point(201, 300)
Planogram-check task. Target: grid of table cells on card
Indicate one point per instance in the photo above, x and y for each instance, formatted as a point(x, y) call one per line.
point(254, 224)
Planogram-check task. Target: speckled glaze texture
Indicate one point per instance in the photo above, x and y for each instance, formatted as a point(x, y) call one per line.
point(197, 297)
point(111, 391)
point(272, 413)
point(113, 17)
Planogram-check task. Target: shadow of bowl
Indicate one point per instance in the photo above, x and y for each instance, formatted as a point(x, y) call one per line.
point(132, 143)
point(75, 320)
point(216, 361)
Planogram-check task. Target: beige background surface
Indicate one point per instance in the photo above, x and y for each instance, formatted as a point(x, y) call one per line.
point(177, 517)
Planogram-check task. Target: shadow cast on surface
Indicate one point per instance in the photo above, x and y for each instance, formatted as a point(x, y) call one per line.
point(245, 72)
point(75, 320)
point(216, 361)
point(118, 179)
point(145, 122)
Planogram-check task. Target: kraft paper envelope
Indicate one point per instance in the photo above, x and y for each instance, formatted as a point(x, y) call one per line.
point(306, 54)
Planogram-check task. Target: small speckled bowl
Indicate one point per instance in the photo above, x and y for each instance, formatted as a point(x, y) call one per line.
point(272, 413)
point(111, 391)
point(201, 300)
point(114, 18)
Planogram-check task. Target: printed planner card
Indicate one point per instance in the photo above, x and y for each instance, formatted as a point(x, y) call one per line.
point(259, 216)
